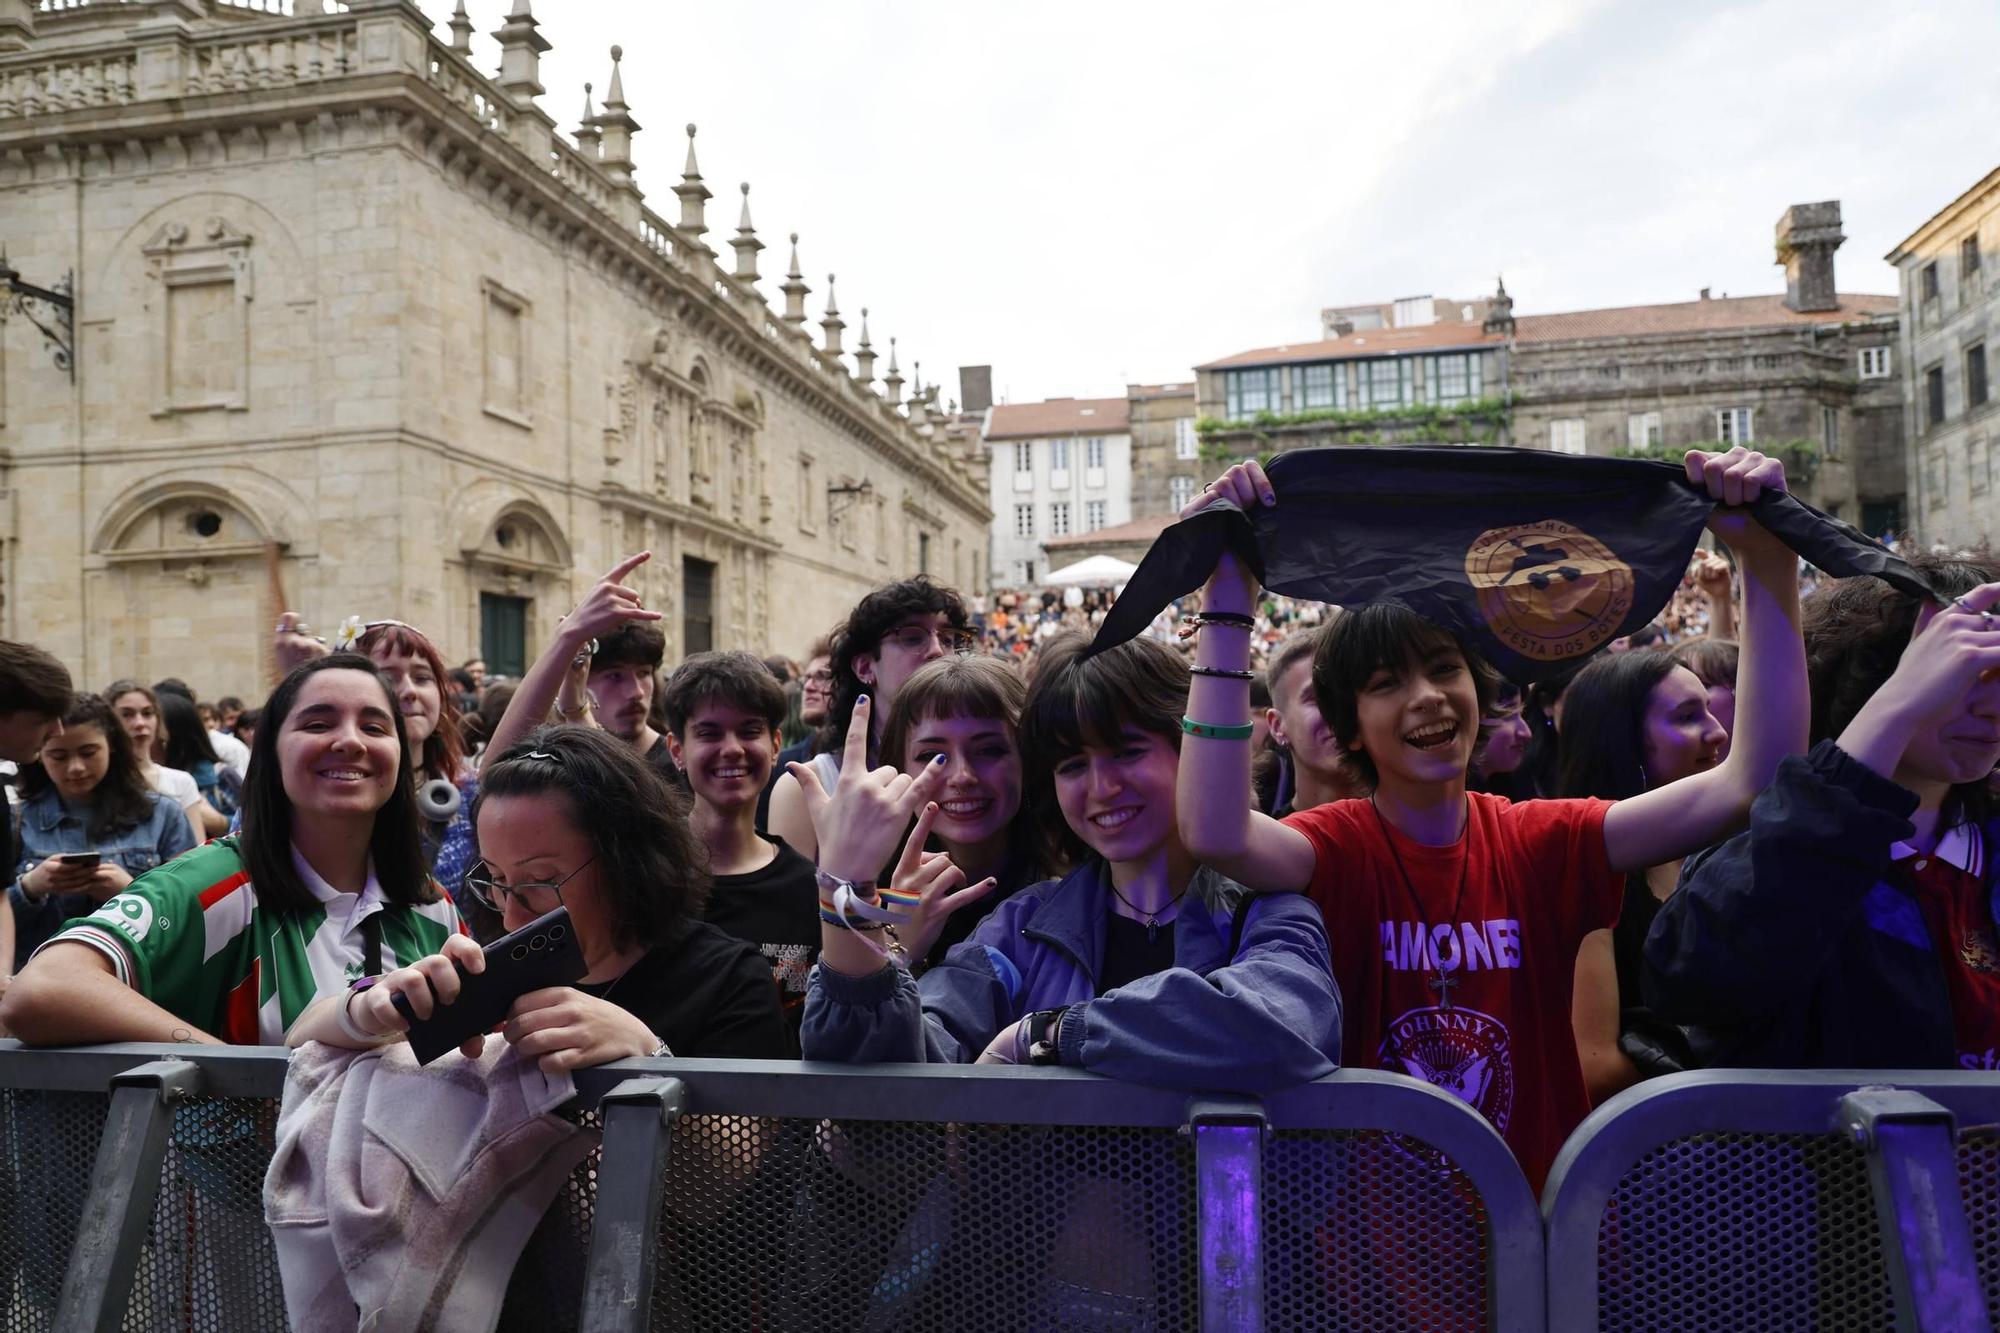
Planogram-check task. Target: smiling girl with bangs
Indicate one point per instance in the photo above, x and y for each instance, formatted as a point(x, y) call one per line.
point(1138, 963)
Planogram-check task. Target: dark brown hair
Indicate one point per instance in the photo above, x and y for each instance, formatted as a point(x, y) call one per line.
point(655, 871)
point(32, 681)
point(122, 798)
point(982, 687)
point(863, 631)
point(444, 749)
point(737, 678)
point(394, 844)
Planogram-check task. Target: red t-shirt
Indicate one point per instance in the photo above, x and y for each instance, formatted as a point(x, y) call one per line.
point(1498, 1034)
point(1950, 889)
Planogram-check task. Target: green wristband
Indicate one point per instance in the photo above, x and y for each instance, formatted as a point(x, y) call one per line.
point(1218, 732)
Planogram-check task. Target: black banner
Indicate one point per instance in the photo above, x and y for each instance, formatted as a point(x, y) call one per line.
point(1536, 558)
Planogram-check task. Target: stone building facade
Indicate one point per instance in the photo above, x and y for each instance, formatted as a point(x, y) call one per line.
point(352, 320)
point(1807, 374)
point(1055, 468)
point(1950, 301)
point(1166, 449)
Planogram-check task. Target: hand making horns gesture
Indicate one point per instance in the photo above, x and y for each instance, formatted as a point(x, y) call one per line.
point(859, 826)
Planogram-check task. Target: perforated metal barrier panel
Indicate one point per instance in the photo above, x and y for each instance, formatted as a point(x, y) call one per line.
point(1979, 1178)
point(48, 1140)
point(1725, 1232)
point(1371, 1232)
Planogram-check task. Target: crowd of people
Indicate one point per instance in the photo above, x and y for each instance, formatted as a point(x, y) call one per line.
point(1264, 840)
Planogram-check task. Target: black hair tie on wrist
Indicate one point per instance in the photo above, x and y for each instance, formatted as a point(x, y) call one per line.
point(1227, 618)
point(1223, 672)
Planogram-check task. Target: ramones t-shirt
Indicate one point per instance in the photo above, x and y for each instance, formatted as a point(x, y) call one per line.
point(1471, 995)
point(776, 909)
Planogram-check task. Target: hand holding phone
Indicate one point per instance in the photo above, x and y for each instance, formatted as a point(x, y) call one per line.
point(540, 954)
point(81, 860)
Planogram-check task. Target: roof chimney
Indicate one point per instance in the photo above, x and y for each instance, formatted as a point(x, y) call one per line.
point(1808, 234)
point(975, 387)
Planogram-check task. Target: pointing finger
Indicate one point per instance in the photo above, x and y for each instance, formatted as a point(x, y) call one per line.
point(854, 758)
point(626, 566)
point(913, 849)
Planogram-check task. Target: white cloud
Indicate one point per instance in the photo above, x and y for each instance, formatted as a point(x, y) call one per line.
point(1086, 191)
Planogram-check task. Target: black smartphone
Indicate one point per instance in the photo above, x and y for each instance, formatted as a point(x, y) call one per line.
point(86, 860)
point(542, 953)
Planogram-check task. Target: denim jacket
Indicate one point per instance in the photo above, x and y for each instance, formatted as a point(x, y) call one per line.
point(1266, 1017)
point(48, 828)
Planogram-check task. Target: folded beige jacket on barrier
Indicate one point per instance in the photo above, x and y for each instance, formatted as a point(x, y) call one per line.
point(400, 1197)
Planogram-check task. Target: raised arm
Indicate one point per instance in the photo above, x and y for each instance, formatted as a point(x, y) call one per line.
point(1773, 710)
point(1212, 796)
point(604, 608)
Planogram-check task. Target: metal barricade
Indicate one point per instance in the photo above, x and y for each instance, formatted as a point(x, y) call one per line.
point(1728, 1200)
point(813, 1197)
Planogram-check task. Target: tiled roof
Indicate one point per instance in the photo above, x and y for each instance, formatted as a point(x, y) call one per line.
point(1138, 530)
point(1057, 416)
point(1365, 343)
point(1713, 316)
point(1142, 391)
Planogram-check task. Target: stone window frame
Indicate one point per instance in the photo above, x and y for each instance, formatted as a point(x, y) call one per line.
point(1645, 430)
point(1875, 362)
point(494, 293)
point(1978, 465)
point(1059, 518)
point(1727, 429)
point(222, 255)
point(1180, 491)
point(807, 523)
point(1024, 517)
point(1978, 374)
point(1094, 513)
point(1829, 429)
point(1187, 442)
point(1937, 409)
point(1568, 435)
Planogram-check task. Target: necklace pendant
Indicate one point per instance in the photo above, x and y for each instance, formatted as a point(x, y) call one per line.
point(1152, 930)
point(1444, 983)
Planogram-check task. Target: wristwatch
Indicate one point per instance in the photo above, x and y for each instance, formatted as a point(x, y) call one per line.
point(1044, 1027)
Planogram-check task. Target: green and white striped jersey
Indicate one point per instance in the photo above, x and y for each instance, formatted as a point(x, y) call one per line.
point(191, 937)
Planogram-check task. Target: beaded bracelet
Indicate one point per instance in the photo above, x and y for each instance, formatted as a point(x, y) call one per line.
point(1203, 619)
point(1222, 672)
point(1218, 731)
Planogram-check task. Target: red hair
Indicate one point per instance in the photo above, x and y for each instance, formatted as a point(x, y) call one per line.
point(444, 752)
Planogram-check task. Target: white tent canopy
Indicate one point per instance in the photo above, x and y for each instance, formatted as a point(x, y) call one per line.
point(1099, 571)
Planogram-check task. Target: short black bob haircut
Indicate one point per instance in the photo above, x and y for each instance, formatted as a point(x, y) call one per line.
point(395, 845)
point(653, 869)
point(1077, 701)
point(1382, 636)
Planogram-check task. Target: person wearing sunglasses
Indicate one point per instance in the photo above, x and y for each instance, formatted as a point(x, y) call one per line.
point(892, 632)
point(570, 817)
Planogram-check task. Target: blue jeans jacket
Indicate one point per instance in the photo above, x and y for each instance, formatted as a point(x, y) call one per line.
point(1266, 1017)
point(47, 828)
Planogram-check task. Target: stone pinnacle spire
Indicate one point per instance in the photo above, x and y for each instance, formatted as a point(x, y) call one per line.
point(893, 381)
point(617, 125)
point(694, 195)
point(864, 355)
point(746, 243)
point(587, 135)
point(521, 50)
point(833, 323)
point(795, 290)
point(461, 30)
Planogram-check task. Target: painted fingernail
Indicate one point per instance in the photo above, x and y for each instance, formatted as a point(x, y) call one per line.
point(1269, 498)
point(860, 701)
point(938, 759)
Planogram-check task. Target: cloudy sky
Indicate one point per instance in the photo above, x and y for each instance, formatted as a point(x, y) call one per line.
point(1092, 192)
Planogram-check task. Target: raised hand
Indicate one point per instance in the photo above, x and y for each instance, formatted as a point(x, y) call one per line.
point(1734, 479)
point(937, 881)
point(609, 605)
point(1232, 587)
point(858, 827)
point(293, 644)
point(1951, 651)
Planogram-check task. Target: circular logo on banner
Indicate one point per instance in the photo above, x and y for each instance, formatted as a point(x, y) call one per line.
point(1549, 590)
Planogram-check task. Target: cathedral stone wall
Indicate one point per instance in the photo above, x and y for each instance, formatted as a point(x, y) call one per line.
point(364, 329)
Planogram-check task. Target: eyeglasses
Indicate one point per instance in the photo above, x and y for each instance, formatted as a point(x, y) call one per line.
point(494, 896)
point(915, 639)
point(819, 680)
